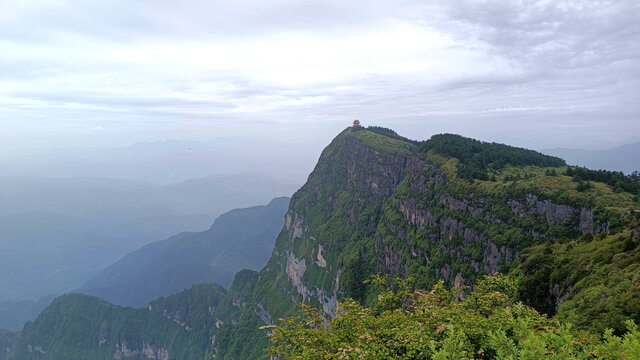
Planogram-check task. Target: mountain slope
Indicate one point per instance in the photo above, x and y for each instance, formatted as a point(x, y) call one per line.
point(181, 326)
point(238, 239)
point(592, 282)
point(449, 208)
point(58, 232)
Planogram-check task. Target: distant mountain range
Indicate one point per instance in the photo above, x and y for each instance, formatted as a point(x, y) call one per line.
point(449, 209)
point(239, 239)
point(624, 158)
point(58, 232)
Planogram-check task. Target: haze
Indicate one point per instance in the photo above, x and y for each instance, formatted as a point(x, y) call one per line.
point(125, 122)
point(540, 74)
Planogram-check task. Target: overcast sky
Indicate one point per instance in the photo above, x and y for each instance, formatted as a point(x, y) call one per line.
point(539, 74)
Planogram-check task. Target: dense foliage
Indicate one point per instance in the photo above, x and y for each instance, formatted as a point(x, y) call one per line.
point(592, 282)
point(181, 326)
point(385, 132)
point(82, 327)
point(443, 215)
point(383, 204)
point(618, 180)
point(477, 157)
point(238, 337)
point(407, 324)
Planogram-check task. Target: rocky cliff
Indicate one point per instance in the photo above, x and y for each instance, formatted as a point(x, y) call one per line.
point(447, 208)
point(380, 203)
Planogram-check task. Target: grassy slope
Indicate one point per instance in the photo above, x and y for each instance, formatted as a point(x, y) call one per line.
point(595, 281)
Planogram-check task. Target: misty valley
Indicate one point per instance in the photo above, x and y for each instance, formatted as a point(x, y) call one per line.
point(393, 248)
point(319, 180)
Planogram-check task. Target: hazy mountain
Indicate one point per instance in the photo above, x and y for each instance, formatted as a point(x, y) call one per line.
point(181, 326)
point(449, 208)
point(238, 239)
point(624, 158)
point(13, 314)
point(58, 232)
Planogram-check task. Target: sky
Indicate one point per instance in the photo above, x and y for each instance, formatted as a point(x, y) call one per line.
point(538, 74)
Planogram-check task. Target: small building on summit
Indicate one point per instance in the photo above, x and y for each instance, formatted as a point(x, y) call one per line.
point(356, 123)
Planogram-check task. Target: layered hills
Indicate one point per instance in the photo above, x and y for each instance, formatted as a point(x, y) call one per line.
point(180, 326)
point(58, 232)
point(239, 239)
point(449, 208)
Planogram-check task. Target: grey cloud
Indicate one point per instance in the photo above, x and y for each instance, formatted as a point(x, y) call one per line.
point(117, 102)
point(571, 68)
point(138, 20)
point(557, 36)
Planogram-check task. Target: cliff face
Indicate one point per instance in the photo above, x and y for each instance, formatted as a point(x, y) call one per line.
point(452, 209)
point(347, 191)
point(377, 203)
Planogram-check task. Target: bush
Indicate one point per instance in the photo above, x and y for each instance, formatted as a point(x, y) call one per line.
point(407, 324)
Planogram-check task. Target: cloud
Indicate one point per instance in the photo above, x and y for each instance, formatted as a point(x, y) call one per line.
point(517, 70)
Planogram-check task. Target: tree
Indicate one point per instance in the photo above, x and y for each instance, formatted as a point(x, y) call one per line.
point(408, 324)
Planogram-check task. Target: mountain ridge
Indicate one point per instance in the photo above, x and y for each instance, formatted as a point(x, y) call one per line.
point(238, 239)
point(380, 203)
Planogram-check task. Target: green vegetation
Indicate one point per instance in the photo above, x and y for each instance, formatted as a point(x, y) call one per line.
point(238, 337)
point(378, 203)
point(443, 213)
point(406, 324)
point(616, 179)
point(182, 326)
point(389, 142)
point(89, 328)
point(187, 306)
point(477, 157)
point(591, 282)
point(238, 239)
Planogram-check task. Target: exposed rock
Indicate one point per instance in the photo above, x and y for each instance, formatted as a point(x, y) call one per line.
point(415, 216)
point(263, 314)
point(295, 270)
point(425, 175)
point(391, 260)
point(237, 302)
point(329, 304)
point(492, 257)
point(446, 272)
point(287, 221)
point(459, 281)
point(559, 295)
point(321, 262)
point(149, 351)
point(122, 351)
point(557, 213)
point(154, 352)
point(36, 348)
point(298, 231)
point(384, 171)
